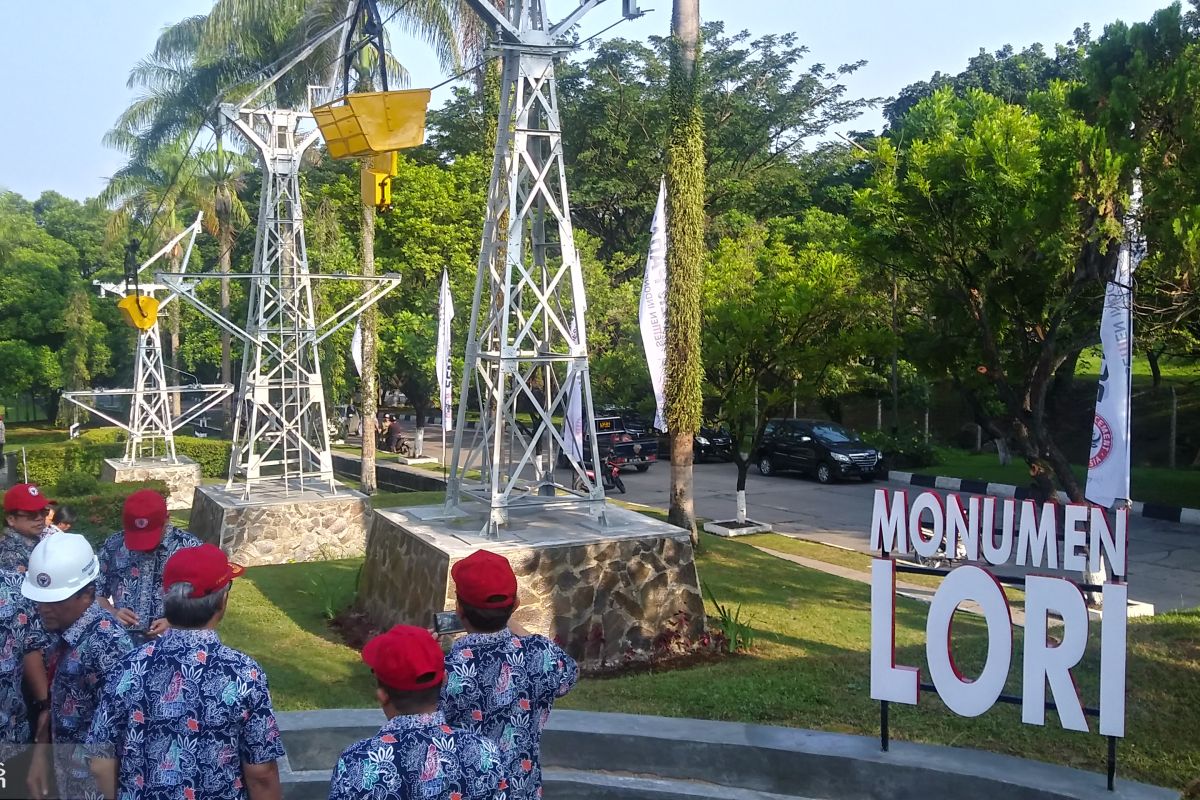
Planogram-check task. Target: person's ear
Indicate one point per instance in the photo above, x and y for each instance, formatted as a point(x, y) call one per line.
point(382, 697)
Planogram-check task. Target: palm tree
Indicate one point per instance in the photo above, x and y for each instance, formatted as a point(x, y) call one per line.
point(685, 254)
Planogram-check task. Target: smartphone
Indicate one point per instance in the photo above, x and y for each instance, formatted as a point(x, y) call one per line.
point(447, 622)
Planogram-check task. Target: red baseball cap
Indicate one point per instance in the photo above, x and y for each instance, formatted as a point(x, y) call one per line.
point(485, 580)
point(406, 658)
point(205, 567)
point(143, 519)
point(24, 497)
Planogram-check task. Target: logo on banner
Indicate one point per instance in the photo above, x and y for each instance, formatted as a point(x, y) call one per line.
point(1102, 442)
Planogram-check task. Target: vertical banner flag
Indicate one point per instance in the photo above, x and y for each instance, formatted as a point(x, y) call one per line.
point(1108, 465)
point(445, 391)
point(652, 310)
point(572, 429)
point(356, 348)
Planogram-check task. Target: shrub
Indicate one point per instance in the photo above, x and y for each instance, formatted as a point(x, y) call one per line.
point(908, 448)
point(76, 483)
point(211, 454)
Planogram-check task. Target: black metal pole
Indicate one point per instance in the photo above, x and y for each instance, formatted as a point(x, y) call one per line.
point(883, 725)
point(1112, 763)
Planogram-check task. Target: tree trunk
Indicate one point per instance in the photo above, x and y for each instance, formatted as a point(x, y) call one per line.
point(1155, 367)
point(369, 378)
point(224, 261)
point(685, 254)
point(173, 314)
point(743, 468)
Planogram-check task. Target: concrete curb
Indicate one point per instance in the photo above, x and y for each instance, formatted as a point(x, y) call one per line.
point(685, 759)
point(1184, 516)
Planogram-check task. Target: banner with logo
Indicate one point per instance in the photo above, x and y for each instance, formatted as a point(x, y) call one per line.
point(652, 310)
point(1108, 463)
point(445, 390)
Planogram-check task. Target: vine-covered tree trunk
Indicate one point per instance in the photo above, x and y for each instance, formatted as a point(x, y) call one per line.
point(369, 377)
point(224, 260)
point(685, 254)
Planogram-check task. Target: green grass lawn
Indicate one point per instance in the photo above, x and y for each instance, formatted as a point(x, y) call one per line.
point(809, 667)
point(1173, 487)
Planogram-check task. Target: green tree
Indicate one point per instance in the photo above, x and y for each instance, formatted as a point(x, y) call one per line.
point(1003, 218)
point(801, 316)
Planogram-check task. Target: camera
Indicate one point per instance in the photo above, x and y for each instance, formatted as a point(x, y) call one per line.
point(446, 623)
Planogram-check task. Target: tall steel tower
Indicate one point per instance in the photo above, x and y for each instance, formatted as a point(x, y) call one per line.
point(526, 353)
point(151, 425)
point(280, 433)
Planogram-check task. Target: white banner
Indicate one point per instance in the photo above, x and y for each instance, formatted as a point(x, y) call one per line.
point(652, 311)
point(1108, 464)
point(356, 348)
point(445, 390)
point(572, 428)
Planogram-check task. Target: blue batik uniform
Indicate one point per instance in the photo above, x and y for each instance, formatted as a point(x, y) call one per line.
point(503, 686)
point(419, 757)
point(182, 714)
point(15, 550)
point(133, 578)
point(79, 661)
point(20, 634)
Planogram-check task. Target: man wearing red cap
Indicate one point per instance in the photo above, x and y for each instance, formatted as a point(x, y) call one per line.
point(132, 561)
point(25, 509)
point(416, 755)
point(189, 716)
point(502, 681)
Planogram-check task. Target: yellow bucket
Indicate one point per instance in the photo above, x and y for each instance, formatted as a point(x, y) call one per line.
point(373, 122)
point(139, 311)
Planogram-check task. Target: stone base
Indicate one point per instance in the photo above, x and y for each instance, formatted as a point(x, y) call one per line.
point(414, 460)
point(729, 527)
point(603, 592)
point(181, 478)
point(279, 525)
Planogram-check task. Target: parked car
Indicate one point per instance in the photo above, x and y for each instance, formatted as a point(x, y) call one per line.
point(631, 446)
point(709, 443)
point(819, 448)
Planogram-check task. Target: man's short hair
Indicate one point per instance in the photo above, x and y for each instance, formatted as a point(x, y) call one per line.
point(184, 611)
point(486, 620)
point(414, 702)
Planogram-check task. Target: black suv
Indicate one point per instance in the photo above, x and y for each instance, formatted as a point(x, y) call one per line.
point(823, 449)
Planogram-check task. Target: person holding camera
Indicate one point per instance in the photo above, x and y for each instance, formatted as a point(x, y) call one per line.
point(502, 681)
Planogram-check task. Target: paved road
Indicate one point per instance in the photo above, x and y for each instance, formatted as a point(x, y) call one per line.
point(1164, 557)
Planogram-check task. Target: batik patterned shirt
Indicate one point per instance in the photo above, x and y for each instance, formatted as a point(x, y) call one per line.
point(418, 757)
point(133, 578)
point(182, 713)
point(20, 633)
point(502, 687)
point(79, 661)
point(15, 550)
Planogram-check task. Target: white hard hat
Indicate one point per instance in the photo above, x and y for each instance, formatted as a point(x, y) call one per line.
point(59, 567)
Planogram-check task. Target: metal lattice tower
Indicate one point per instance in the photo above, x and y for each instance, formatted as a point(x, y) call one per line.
point(527, 347)
point(151, 425)
point(280, 433)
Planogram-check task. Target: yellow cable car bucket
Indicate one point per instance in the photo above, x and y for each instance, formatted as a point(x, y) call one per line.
point(139, 311)
point(370, 123)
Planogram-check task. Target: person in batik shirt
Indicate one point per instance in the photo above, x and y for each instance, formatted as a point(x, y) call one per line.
point(25, 512)
point(416, 755)
point(21, 667)
point(132, 561)
point(188, 717)
point(501, 680)
point(88, 643)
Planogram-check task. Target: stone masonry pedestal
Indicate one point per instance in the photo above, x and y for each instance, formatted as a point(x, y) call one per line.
point(181, 477)
point(278, 524)
point(603, 592)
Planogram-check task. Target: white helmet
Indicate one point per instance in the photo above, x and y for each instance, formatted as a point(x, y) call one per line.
point(59, 567)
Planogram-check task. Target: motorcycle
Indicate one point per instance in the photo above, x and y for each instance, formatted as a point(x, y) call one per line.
point(610, 477)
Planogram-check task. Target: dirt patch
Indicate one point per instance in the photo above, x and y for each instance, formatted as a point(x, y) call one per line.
point(353, 627)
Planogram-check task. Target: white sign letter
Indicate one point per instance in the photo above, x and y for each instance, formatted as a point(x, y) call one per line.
point(1044, 663)
point(888, 531)
point(888, 682)
point(965, 697)
point(1112, 659)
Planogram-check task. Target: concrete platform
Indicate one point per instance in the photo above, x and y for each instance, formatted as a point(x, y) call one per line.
point(605, 593)
point(593, 756)
point(280, 522)
point(730, 527)
point(181, 476)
